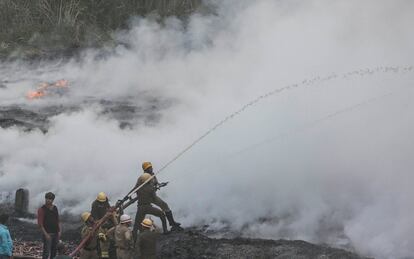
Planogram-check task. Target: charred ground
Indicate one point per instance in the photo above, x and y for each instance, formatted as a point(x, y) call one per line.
point(37, 117)
point(191, 243)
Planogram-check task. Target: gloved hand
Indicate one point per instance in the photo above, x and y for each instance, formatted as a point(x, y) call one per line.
point(102, 237)
point(159, 185)
point(163, 184)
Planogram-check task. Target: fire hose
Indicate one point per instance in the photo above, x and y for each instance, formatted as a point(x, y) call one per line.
point(128, 200)
point(120, 206)
point(95, 228)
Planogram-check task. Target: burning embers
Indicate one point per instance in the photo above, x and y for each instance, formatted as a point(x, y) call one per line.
point(45, 89)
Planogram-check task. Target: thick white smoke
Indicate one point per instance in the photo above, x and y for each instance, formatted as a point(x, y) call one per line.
point(324, 162)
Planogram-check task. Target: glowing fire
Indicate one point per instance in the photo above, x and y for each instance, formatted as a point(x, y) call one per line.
point(35, 94)
point(44, 86)
point(61, 83)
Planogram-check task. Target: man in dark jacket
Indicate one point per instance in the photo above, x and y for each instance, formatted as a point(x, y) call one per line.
point(48, 221)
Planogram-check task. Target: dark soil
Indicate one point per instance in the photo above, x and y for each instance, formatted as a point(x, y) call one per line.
point(191, 243)
point(28, 118)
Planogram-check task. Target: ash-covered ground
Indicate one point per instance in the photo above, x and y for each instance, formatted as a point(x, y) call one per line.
point(33, 115)
point(191, 243)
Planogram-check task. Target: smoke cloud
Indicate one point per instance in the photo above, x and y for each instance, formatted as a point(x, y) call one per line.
point(327, 161)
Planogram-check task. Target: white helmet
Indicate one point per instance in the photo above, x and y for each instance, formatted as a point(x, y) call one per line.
point(125, 219)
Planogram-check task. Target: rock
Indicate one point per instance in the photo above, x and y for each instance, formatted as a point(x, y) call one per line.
point(21, 202)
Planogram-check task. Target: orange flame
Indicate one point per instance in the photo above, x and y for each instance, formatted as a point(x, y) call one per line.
point(35, 94)
point(41, 89)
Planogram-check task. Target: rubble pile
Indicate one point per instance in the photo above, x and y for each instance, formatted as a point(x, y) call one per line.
point(32, 249)
point(27, 249)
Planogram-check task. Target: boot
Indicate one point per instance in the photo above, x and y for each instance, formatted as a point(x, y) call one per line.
point(175, 226)
point(164, 225)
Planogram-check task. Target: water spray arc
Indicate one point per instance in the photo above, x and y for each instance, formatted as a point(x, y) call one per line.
point(305, 82)
point(315, 122)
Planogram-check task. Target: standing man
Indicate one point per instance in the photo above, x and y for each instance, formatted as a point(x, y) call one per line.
point(175, 226)
point(48, 221)
point(99, 208)
point(146, 196)
point(6, 243)
point(147, 241)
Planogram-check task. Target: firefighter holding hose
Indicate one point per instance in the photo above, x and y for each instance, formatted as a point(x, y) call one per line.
point(99, 208)
point(90, 250)
point(147, 196)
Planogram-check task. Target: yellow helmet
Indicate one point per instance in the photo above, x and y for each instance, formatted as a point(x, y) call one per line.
point(85, 216)
point(144, 177)
point(146, 165)
point(101, 197)
point(147, 223)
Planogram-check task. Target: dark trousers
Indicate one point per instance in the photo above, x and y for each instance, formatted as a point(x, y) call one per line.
point(141, 212)
point(4, 257)
point(50, 246)
point(112, 249)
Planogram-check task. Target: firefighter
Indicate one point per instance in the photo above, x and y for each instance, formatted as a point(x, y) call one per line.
point(90, 250)
point(147, 167)
point(100, 206)
point(123, 238)
point(145, 197)
point(147, 241)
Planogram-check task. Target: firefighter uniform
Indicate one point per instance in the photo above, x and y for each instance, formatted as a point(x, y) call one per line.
point(90, 250)
point(123, 241)
point(146, 196)
point(147, 243)
point(99, 208)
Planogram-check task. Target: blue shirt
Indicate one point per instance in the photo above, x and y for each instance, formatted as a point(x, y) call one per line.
point(6, 244)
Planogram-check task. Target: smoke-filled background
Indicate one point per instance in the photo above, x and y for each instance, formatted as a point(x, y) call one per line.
point(325, 157)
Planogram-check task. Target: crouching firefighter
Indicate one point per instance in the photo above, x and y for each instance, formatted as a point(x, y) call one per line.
point(90, 250)
point(146, 197)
